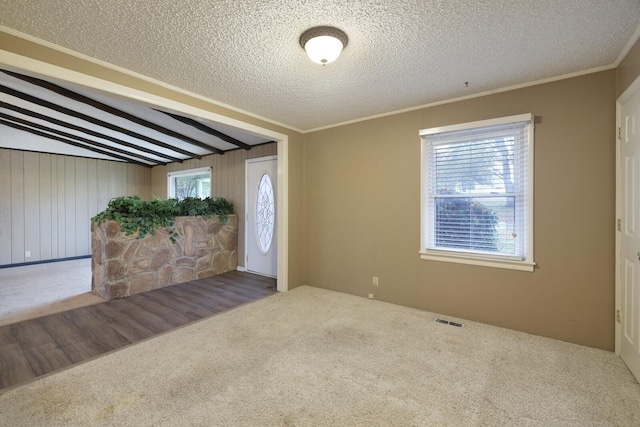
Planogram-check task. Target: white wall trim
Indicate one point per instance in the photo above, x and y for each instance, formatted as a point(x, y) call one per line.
point(137, 75)
point(627, 47)
point(623, 54)
point(23, 64)
point(527, 117)
point(283, 215)
point(483, 262)
point(618, 215)
point(467, 97)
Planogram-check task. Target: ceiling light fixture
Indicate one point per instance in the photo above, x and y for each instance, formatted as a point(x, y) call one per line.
point(323, 44)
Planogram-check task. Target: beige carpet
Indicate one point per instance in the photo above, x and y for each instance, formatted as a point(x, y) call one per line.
point(31, 291)
point(312, 357)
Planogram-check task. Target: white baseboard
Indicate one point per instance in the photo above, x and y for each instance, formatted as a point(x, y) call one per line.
point(241, 268)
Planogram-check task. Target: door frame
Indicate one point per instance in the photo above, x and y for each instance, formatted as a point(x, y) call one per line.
point(36, 68)
point(630, 91)
point(246, 204)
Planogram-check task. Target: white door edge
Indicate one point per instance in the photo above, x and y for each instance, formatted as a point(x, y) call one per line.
point(630, 91)
point(621, 99)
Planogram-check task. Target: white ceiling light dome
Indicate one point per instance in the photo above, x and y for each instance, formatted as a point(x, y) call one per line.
point(323, 44)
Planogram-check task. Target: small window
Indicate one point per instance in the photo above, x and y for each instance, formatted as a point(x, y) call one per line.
point(477, 193)
point(189, 183)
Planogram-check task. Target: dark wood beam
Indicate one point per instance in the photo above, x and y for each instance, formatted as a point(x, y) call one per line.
point(204, 128)
point(66, 125)
point(253, 146)
point(111, 110)
point(79, 138)
point(93, 120)
point(67, 141)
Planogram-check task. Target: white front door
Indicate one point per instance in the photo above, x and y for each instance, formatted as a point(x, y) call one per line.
point(628, 283)
point(260, 238)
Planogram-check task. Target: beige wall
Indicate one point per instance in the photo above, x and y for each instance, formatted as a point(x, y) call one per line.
point(628, 70)
point(362, 214)
point(47, 200)
point(29, 49)
point(227, 179)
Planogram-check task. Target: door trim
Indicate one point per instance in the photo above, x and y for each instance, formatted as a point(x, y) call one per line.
point(628, 93)
point(36, 68)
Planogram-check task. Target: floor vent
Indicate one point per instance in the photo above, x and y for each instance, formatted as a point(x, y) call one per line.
point(448, 322)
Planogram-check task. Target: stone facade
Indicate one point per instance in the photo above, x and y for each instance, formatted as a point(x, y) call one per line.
point(124, 265)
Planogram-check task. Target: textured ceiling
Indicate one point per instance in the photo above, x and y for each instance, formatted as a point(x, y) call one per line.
point(401, 53)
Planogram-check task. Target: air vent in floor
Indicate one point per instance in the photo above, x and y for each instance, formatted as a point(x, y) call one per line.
point(448, 322)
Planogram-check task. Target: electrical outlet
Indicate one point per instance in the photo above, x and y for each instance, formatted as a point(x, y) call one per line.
point(27, 254)
point(370, 296)
point(375, 281)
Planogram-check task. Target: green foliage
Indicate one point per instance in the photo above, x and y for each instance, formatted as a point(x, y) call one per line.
point(464, 223)
point(136, 215)
point(192, 206)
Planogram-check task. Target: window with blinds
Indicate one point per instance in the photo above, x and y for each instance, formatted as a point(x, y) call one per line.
point(477, 192)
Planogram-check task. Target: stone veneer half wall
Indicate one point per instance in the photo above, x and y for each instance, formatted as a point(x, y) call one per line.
point(125, 265)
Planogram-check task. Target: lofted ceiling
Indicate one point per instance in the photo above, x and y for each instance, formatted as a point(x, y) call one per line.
point(42, 116)
point(401, 54)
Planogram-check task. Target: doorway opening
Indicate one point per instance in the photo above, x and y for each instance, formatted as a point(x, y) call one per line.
point(54, 73)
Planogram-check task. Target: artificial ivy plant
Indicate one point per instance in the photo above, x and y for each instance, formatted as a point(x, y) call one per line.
point(136, 215)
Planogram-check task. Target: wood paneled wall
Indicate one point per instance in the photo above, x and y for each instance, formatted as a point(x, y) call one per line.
point(227, 179)
point(47, 200)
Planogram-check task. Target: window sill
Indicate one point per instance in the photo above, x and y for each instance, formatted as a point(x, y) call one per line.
point(480, 261)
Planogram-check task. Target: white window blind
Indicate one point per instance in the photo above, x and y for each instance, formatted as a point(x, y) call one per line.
point(477, 189)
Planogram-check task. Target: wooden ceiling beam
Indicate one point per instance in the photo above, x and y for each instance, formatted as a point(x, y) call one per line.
point(204, 128)
point(66, 141)
point(93, 120)
point(79, 138)
point(66, 125)
point(111, 110)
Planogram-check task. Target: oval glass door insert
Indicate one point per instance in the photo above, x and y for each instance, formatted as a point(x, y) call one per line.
point(265, 214)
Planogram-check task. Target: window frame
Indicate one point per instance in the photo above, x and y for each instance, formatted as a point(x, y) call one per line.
point(525, 263)
point(186, 172)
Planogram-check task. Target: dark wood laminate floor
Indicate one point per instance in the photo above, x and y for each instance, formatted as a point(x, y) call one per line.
point(39, 346)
